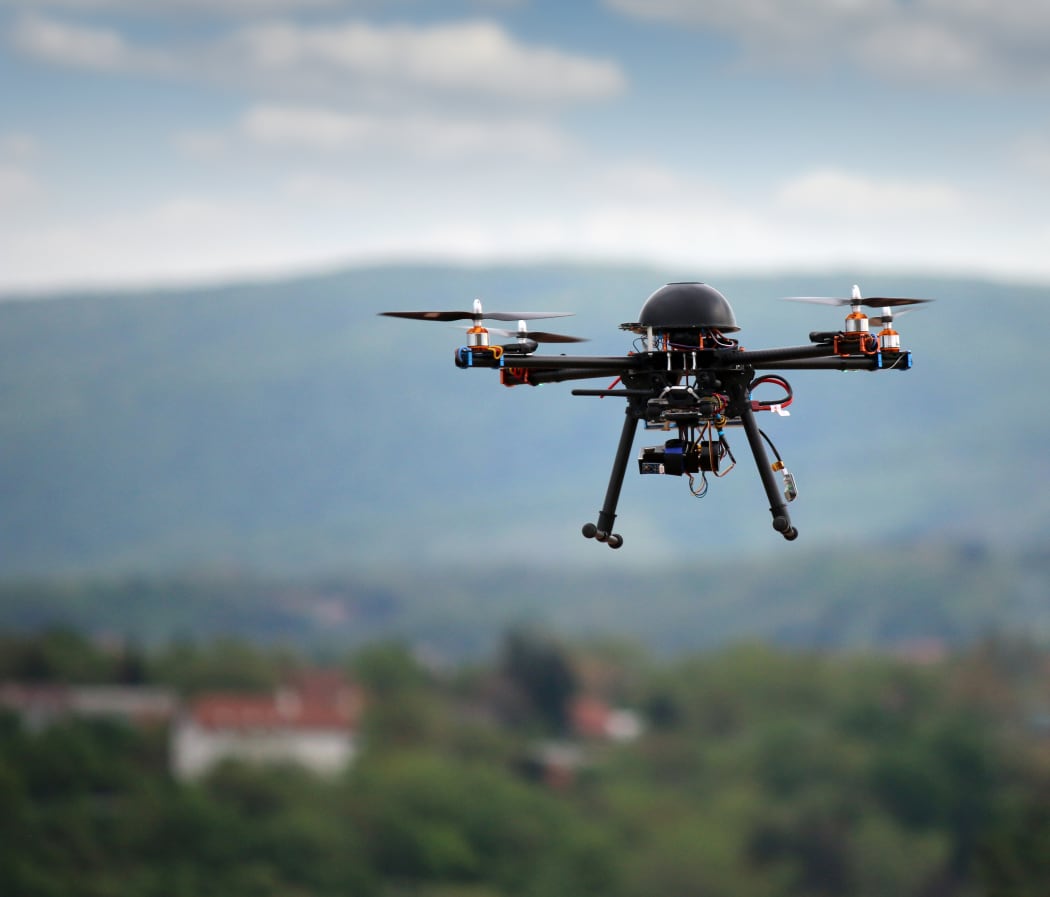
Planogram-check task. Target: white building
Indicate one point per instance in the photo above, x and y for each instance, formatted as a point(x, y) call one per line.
point(43, 704)
point(312, 722)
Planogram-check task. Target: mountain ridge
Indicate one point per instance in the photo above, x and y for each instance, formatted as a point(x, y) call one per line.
point(282, 426)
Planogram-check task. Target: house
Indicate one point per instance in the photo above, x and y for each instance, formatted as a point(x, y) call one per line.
point(311, 721)
point(592, 719)
point(556, 764)
point(40, 705)
point(592, 722)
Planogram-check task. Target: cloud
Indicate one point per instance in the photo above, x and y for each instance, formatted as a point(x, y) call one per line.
point(413, 135)
point(82, 46)
point(477, 57)
point(202, 145)
point(323, 189)
point(473, 58)
point(1033, 153)
point(844, 194)
point(16, 185)
point(181, 239)
point(929, 41)
point(168, 7)
point(330, 214)
point(17, 146)
point(226, 8)
point(841, 218)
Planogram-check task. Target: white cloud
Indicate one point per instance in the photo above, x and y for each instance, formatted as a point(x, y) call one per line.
point(16, 186)
point(18, 146)
point(1033, 153)
point(312, 128)
point(332, 214)
point(847, 195)
point(474, 58)
point(846, 218)
point(187, 239)
point(761, 17)
point(228, 8)
point(167, 7)
point(938, 41)
point(323, 189)
point(82, 46)
point(202, 145)
point(412, 135)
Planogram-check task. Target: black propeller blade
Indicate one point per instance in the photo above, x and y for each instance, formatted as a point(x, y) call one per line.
point(887, 319)
point(543, 336)
point(539, 336)
point(468, 316)
point(856, 300)
point(478, 314)
point(870, 302)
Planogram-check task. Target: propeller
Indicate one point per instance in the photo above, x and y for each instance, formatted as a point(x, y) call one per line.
point(856, 300)
point(538, 336)
point(476, 315)
point(887, 316)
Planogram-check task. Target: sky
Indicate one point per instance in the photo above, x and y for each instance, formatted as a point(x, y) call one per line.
point(180, 141)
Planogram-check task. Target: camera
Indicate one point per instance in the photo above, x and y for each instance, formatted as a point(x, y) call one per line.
point(676, 457)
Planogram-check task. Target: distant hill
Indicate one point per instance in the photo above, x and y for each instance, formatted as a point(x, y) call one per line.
point(910, 597)
point(283, 428)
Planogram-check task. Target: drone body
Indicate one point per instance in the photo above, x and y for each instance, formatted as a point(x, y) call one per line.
point(688, 378)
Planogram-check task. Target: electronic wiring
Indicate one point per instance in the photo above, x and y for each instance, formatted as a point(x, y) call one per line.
point(772, 447)
point(701, 491)
point(789, 395)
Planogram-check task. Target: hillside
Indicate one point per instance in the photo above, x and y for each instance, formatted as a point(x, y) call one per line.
point(283, 428)
point(894, 598)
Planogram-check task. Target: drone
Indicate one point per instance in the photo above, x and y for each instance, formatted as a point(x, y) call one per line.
point(687, 378)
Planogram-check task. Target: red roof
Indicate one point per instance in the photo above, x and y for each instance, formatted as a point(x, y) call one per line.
point(590, 717)
point(322, 703)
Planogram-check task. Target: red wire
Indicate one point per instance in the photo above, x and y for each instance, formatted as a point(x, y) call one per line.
point(778, 381)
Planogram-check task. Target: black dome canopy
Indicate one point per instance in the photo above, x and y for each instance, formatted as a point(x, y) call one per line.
point(685, 306)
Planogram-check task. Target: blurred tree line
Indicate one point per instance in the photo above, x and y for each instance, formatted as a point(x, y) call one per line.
point(759, 773)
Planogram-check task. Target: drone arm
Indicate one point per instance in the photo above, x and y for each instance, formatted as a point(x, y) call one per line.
point(559, 368)
point(835, 363)
point(614, 393)
point(599, 364)
point(777, 504)
point(602, 531)
point(553, 375)
point(820, 357)
point(772, 357)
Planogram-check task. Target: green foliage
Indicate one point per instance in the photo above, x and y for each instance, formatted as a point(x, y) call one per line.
point(538, 669)
point(56, 654)
point(942, 596)
point(1014, 858)
point(225, 664)
point(386, 668)
point(432, 818)
point(763, 773)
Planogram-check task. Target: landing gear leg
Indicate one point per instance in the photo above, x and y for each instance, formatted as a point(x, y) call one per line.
point(602, 530)
point(777, 505)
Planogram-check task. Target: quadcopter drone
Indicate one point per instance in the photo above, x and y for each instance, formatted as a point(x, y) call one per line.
point(687, 377)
